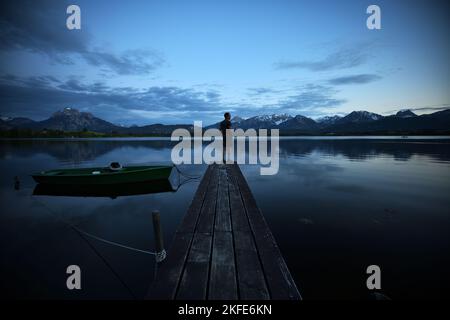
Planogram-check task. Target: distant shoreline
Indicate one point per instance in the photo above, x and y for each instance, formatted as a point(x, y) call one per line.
point(282, 137)
point(55, 134)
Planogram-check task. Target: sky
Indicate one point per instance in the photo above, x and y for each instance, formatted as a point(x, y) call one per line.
point(139, 62)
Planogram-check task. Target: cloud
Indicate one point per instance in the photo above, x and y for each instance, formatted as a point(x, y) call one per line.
point(354, 79)
point(77, 86)
point(130, 62)
point(39, 97)
point(344, 58)
point(33, 81)
point(431, 108)
point(261, 91)
point(311, 100)
point(41, 28)
point(422, 109)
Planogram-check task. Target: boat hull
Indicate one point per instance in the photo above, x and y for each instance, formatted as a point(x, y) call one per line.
point(104, 190)
point(103, 176)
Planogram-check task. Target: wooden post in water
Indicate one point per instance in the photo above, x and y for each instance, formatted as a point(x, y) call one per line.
point(16, 183)
point(159, 243)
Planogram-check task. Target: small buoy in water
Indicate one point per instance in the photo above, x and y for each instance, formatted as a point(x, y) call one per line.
point(16, 183)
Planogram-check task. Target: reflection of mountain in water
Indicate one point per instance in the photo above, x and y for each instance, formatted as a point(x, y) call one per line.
point(75, 151)
point(360, 149)
point(78, 151)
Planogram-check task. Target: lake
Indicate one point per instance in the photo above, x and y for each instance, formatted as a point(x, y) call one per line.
point(336, 206)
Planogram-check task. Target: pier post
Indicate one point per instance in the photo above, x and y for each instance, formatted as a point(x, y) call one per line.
point(159, 243)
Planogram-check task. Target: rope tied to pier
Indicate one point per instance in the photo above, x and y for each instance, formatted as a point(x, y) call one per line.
point(90, 235)
point(183, 174)
point(83, 234)
point(159, 256)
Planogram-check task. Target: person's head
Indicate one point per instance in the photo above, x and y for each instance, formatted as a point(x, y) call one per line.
point(227, 115)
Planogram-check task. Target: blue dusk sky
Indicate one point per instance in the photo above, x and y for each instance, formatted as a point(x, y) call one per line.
point(167, 61)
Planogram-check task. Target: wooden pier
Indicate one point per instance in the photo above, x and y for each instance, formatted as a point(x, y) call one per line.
point(223, 249)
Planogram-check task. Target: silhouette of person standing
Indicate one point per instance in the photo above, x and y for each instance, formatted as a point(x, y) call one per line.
point(224, 125)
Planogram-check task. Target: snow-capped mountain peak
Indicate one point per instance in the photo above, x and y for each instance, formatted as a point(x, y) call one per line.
point(328, 119)
point(274, 118)
point(237, 119)
point(405, 113)
point(5, 118)
point(361, 116)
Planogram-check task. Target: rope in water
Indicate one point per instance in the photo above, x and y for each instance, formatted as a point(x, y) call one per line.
point(82, 233)
point(90, 235)
point(159, 255)
point(182, 174)
point(186, 175)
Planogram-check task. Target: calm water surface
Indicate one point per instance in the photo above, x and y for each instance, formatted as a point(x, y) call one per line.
point(336, 206)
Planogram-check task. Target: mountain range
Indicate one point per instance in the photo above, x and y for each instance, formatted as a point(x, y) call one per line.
point(356, 122)
point(72, 120)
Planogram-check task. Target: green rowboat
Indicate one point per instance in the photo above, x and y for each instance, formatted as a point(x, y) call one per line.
point(102, 176)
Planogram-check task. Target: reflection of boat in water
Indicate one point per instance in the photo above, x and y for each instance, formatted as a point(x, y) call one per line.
point(114, 174)
point(105, 190)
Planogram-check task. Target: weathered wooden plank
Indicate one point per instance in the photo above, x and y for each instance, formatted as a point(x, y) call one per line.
point(250, 277)
point(190, 220)
point(222, 282)
point(194, 281)
point(279, 280)
point(206, 219)
point(238, 256)
point(223, 218)
point(237, 209)
point(165, 285)
point(169, 271)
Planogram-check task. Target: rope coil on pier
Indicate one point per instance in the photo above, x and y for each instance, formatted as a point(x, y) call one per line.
point(160, 256)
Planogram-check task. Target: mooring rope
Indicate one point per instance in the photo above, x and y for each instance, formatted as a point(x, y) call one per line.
point(90, 235)
point(107, 264)
point(158, 255)
point(186, 175)
point(182, 174)
point(82, 235)
point(113, 243)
